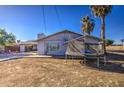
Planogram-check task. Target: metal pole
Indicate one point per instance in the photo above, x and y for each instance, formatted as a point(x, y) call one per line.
point(105, 59)
point(73, 59)
point(98, 61)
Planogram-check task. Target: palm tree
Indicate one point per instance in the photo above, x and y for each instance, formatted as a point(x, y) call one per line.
point(101, 11)
point(88, 25)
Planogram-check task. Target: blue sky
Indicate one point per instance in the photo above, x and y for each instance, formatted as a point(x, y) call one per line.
point(27, 21)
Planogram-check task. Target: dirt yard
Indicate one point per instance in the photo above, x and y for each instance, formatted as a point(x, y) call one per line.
point(115, 48)
point(51, 72)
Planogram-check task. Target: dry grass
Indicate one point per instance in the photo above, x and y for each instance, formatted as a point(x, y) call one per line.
point(54, 72)
point(116, 48)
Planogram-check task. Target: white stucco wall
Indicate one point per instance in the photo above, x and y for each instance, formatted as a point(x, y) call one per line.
point(60, 39)
point(41, 47)
point(22, 48)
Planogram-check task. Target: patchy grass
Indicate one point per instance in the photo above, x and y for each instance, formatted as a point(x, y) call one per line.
point(51, 72)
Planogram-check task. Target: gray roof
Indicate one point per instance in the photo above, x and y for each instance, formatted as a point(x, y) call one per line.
point(64, 31)
point(29, 42)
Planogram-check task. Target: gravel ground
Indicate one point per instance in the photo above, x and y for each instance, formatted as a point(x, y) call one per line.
point(52, 72)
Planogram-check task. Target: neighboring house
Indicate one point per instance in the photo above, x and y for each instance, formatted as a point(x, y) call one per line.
point(12, 48)
point(28, 46)
point(122, 40)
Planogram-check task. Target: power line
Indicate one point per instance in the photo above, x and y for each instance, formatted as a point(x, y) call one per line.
point(58, 16)
point(44, 18)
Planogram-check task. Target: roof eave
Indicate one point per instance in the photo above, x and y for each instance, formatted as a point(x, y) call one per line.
point(58, 33)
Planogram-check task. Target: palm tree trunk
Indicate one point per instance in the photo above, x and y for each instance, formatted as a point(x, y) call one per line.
point(103, 33)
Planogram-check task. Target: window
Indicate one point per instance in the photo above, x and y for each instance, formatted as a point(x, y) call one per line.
point(53, 46)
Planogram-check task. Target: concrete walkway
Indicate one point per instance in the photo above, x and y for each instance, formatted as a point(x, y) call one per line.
point(5, 57)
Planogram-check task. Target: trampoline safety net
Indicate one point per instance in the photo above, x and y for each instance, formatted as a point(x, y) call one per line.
point(81, 48)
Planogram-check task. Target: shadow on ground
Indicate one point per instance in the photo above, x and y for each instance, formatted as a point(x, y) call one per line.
point(115, 64)
point(113, 56)
point(110, 67)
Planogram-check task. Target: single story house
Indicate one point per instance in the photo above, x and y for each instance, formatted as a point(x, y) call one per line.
point(55, 44)
point(28, 46)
